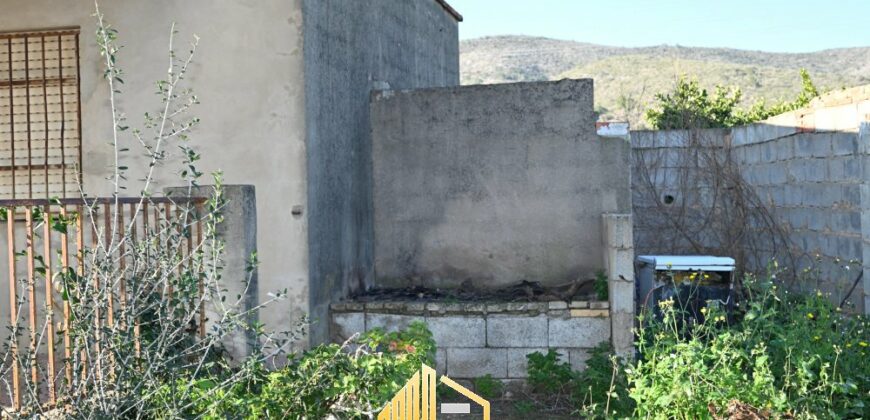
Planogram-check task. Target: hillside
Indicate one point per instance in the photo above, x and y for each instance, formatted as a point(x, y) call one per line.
point(627, 78)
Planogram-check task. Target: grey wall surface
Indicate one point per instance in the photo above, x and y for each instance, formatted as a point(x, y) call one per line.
point(351, 47)
point(667, 165)
point(492, 183)
point(811, 183)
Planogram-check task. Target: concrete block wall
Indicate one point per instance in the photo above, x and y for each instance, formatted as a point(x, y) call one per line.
point(810, 168)
point(478, 339)
point(812, 183)
point(670, 187)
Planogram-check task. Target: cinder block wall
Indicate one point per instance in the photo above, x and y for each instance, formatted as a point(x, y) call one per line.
point(493, 184)
point(810, 167)
point(666, 166)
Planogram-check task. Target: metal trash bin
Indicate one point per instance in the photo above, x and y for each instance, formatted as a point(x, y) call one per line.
point(691, 280)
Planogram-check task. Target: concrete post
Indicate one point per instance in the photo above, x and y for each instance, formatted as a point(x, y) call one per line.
point(864, 152)
point(239, 234)
point(619, 264)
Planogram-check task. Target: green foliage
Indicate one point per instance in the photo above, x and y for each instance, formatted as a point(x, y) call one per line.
point(488, 388)
point(781, 353)
point(602, 291)
point(603, 384)
point(524, 407)
point(690, 106)
point(599, 389)
point(548, 375)
point(785, 354)
point(328, 380)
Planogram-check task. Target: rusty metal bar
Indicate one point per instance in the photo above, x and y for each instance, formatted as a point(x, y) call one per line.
point(13, 307)
point(10, 35)
point(98, 336)
point(62, 118)
point(167, 214)
point(136, 325)
point(80, 251)
point(11, 115)
point(38, 82)
point(107, 226)
point(31, 292)
point(49, 300)
point(27, 101)
point(122, 265)
point(64, 258)
point(45, 121)
point(100, 200)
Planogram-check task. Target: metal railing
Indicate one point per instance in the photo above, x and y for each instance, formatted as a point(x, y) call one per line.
point(46, 238)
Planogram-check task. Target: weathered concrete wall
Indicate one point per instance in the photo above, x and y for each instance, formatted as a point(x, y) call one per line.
point(810, 170)
point(478, 339)
point(352, 47)
point(248, 75)
point(492, 184)
point(812, 183)
point(671, 185)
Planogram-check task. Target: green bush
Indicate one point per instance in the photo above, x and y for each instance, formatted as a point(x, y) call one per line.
point(488, 388)
point(352, 381)
point(600, 388)
point(784, 354)
point(689, 106)
point(780, 353)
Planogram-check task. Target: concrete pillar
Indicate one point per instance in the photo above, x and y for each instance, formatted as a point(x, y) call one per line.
point(619, 264)
point(864, 153)
point(238, 231)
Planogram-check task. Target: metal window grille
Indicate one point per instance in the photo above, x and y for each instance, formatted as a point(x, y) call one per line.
point(40, 114)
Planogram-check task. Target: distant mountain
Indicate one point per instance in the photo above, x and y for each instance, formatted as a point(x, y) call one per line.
point(627, 78)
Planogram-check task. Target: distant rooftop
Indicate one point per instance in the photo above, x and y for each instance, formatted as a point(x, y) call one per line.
point(450, 10)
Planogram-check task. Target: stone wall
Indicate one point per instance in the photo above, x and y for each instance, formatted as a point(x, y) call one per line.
point(478, 339)
point(492, 184)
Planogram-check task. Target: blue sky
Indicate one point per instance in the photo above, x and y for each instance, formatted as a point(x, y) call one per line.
point(768, 25)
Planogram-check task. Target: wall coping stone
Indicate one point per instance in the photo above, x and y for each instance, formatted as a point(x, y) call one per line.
point(436, 309)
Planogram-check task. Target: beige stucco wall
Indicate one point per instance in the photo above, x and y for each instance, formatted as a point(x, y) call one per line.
point(248, 75)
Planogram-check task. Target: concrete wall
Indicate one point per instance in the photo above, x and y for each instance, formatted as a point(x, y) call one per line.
point(810, 170)
point(352, 47)
point(671, 186)
point(493, 184)
point(284, 89)
point(812, 183)
point(478, 339)
point(248, 75)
